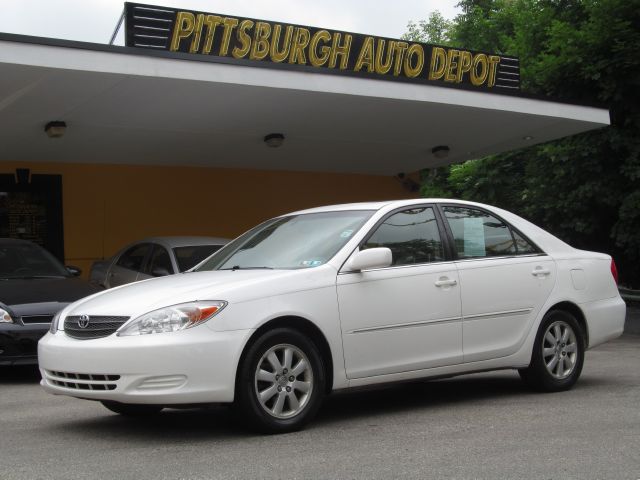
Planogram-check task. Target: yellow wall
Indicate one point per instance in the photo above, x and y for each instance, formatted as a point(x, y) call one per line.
point(108, 206)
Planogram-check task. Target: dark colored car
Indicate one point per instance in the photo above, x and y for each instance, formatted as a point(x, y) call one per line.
point(34, 286)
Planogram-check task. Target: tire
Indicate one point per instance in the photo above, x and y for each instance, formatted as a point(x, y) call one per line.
point(281, 382)
point(132, 410)
point(558, 354)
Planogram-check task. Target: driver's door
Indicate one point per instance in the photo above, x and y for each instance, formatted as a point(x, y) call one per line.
point(407, 316)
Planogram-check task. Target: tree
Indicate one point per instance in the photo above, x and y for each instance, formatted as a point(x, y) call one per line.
point(584, 188)
point(435, 30)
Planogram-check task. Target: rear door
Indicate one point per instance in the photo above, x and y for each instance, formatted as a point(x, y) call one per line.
point(504, 281)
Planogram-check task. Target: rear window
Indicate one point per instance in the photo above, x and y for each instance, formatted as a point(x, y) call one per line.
point(188, 257)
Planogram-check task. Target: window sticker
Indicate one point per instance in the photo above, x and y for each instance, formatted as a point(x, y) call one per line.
point(474, 237)
point(311, 263)
point(346, 234)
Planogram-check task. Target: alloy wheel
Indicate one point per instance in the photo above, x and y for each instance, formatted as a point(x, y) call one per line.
point(283, 381)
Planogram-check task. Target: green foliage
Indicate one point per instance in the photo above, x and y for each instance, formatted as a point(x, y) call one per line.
point(584, 188)
point(435, 30)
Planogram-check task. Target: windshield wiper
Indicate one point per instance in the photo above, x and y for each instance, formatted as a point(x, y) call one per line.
point(238, 267)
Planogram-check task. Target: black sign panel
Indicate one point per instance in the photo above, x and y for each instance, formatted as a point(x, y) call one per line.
point(329, 51)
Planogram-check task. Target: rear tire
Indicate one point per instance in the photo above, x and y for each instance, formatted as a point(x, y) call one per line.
point(281, 382)
point(132, 410)
point(558, 354)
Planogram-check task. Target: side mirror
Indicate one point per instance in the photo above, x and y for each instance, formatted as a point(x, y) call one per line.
point(160, 272)
point(73, 270)
point(370, 258)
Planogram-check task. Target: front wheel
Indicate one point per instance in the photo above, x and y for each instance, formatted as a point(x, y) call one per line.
point(281, 381)
point(558, 354)
point(132, 410)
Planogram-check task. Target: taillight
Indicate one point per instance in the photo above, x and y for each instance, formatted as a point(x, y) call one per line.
point(614, 271)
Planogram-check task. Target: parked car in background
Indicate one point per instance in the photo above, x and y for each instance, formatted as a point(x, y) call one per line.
point(153, 257)
point(340, 297)
point(34, 286)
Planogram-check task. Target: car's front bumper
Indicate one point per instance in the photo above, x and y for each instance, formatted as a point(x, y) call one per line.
point(196, 365)
point(19, 343)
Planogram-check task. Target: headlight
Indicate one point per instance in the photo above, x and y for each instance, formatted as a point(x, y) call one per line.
point(174, 318)
point(5, 317)
point(54, 323)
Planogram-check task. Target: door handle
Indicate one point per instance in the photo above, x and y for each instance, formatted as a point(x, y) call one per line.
point(445, 282)
point(540, 271)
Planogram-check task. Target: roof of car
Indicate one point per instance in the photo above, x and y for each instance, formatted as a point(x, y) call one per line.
point(185, 241)
point(379, 205)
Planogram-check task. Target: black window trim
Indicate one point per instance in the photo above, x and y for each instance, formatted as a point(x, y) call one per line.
point(451, 241)
point(147, 262)
point(446, 244)
point(147, 255)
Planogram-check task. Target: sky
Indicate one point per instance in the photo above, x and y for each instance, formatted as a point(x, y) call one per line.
point(95, 20)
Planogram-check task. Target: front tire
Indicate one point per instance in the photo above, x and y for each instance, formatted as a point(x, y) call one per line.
point(558, 354)
point(281, 381)
point(132, 410)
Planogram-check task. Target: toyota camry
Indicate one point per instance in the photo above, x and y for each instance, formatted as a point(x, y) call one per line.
point(338, 297)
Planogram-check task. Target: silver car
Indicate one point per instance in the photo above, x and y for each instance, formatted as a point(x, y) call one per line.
point(153, 257)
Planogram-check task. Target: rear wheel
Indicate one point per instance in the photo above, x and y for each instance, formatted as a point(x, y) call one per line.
point(558, 353)
point(281, 381)
point(132, 410)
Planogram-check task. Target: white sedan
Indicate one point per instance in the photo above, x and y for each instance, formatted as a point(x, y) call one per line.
point(340, 297)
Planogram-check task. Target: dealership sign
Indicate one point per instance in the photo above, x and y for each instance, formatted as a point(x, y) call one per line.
point(225, 38)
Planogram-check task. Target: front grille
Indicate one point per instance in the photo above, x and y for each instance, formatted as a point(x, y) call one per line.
point(82, 381)
point(97, 326)
point(28, 319)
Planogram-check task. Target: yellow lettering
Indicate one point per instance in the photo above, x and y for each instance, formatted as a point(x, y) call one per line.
point(481, 61)
point(243, 38)
point(340, 50)
point(195, 43)
point(380, 66)
point(280, 55)
point(494, 60)
point(452, 65)
point(413, 68)
point(300, 42)
point(438, 63)
point(260, 46)
point(229, 25)
point(185, 22)
point(466, 60)
point(399, 50)
point(212, 21)
point(319, 59)
point(366, 56)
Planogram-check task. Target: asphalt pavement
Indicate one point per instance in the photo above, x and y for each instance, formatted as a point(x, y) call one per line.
point(476, 426)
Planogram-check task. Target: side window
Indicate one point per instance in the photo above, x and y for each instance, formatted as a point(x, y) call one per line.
point(133, 258)
point(479, 234)
point(412, 235)
point(523, 246)
point(159, 262)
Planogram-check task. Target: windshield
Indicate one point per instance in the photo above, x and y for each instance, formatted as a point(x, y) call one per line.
point(291, 242)
point(28, 260)
point(188, 257)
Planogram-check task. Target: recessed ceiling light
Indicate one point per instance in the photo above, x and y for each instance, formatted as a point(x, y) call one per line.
point(440, 151)
point(55, 129)
point(274, 140)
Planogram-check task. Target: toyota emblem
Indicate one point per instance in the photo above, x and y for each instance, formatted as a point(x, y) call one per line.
point(83, 321)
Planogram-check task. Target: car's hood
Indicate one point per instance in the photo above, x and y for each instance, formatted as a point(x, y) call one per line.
point(231, 286)
point(42, 290)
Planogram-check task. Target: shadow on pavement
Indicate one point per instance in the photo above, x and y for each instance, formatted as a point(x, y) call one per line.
point(189, 425)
